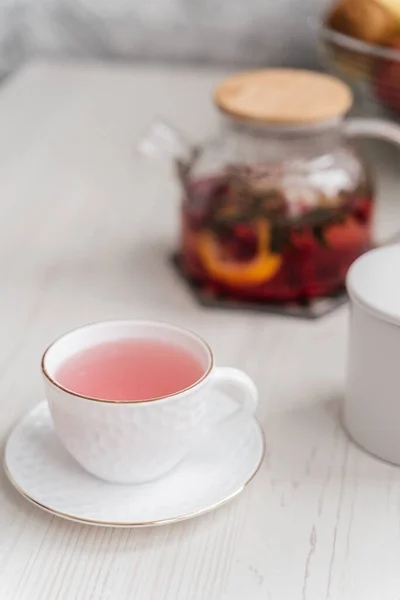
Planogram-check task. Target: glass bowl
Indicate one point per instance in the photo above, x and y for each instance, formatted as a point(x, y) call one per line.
point(372, 71)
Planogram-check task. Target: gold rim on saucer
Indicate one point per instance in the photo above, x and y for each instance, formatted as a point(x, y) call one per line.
point(139, 524)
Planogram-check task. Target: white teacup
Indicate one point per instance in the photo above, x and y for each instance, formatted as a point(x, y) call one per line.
point(133, 442)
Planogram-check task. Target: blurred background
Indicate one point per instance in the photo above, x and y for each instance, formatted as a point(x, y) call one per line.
point(239, 32)
point(356, 40)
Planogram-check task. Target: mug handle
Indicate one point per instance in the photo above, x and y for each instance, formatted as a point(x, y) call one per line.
point(244, 392)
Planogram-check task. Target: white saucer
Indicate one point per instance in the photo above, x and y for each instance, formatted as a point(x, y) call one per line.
point(43, 472)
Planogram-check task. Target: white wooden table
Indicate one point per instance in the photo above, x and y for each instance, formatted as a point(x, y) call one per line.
point(84, 233)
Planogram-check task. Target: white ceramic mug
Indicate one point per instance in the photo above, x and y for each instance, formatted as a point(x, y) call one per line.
point(132, 442)
point(371, 411)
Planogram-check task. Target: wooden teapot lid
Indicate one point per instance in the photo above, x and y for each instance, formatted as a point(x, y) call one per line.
point(283, 96)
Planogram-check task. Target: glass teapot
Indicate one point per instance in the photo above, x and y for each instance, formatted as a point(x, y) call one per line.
point(279, 204)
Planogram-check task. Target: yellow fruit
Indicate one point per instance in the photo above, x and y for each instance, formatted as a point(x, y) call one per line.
point(366, 20)
point(393, 6)
point(260, 269)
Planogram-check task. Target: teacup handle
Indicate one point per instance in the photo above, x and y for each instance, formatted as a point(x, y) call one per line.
point(244, 391)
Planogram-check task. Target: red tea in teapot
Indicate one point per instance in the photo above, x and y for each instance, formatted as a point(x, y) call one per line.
point(252, 242)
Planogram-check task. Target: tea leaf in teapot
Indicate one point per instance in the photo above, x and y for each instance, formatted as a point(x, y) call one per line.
point(318, 232)
point(185, 166)
point(280, 238)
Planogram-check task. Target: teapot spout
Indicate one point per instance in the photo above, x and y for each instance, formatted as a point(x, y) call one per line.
point(162, 140)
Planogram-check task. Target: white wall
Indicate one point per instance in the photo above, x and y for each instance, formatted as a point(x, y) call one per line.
point(241, 31)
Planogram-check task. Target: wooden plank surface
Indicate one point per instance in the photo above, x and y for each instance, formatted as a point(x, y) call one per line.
point(85, 229)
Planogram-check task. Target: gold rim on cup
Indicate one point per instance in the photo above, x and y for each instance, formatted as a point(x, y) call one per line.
point(51, 380)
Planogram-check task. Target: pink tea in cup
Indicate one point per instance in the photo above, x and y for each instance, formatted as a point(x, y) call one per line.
point(130, 370)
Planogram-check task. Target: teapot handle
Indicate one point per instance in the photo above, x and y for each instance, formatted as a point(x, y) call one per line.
point(372, 128)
